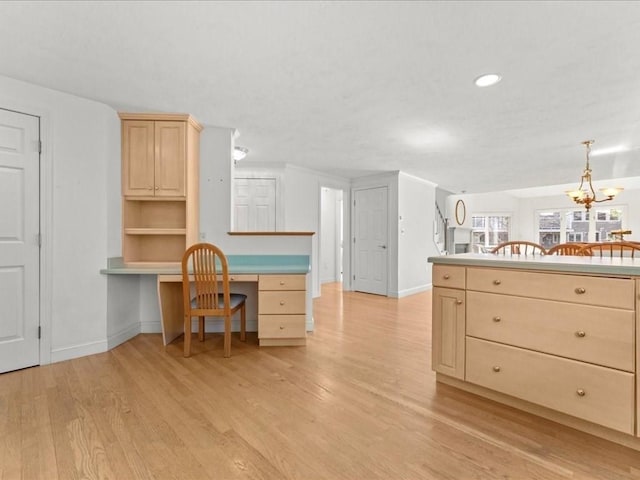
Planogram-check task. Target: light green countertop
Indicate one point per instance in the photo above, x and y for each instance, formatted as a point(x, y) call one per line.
point(556, 263)
point(238, 264)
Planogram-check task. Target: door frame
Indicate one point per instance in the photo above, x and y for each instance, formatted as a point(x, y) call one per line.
point(339, 256)
point(346, 231)
point(46, 219)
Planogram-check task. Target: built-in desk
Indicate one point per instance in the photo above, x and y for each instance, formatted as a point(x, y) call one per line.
point(284, 301)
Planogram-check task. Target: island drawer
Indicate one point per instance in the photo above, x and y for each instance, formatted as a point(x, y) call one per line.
point(603, 291)
point(597, 394)
point(448, 276)
point(599, 335)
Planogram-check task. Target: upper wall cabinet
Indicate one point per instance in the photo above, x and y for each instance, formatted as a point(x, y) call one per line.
point(160, 165)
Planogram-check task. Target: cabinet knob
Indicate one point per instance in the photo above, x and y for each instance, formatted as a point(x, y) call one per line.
point(281, 327)
point(446, 276)
point(281, 302)
point(580, 290)
point(497, 282)
point(458, 302)
point(497, 319)
point(496, 368)
point(581, 392)
point(157, 187)
point(580, 333)
point(281, 282)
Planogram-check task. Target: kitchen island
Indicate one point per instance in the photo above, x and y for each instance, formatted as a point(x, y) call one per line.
point(552, 335)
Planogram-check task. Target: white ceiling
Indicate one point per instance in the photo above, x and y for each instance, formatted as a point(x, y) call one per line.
point(355, 88)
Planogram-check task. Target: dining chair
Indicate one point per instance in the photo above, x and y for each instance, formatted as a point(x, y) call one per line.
point(205, 267)
point(519, 247)
point(610, 249)
point(569, 248)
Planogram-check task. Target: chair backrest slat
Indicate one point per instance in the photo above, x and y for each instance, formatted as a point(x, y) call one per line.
point(610, 249)
point(209, 268)
point(569, 248)
point(519, 247)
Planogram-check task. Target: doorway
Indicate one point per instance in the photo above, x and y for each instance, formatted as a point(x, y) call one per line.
point(331, 235)
point(19, 240)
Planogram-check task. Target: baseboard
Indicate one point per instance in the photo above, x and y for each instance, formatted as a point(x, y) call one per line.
point(76, 351)
point(123, 335)
point(215, 325)
point(151, 327)
point(411, 291)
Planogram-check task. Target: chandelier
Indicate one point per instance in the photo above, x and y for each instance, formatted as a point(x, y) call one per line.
point(585, 194)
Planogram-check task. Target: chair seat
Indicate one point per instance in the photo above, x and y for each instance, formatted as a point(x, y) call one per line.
point(235, 299)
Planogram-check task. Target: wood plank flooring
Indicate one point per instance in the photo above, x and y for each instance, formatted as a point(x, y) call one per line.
point(358, 402)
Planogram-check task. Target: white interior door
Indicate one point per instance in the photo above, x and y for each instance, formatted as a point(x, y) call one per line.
point(370, 240)
point(19, 242)
point(254, 204)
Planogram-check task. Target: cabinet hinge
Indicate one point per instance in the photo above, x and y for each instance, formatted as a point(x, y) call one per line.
point(354, 277)
point(39, 146)
point(39, 239)
point(39, 332)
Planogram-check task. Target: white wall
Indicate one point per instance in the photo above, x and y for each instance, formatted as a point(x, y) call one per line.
point(416, 215)
point(81, 144)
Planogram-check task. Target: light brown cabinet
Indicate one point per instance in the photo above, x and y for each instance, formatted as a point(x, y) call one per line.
point(154, 158)
point(160, 164)
point(563, 345)
point(282, 310)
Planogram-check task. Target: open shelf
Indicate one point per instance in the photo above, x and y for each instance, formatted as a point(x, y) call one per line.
point(154, 248)
point(155, 231)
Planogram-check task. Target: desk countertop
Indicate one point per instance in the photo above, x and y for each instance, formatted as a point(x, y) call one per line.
point(238, 264)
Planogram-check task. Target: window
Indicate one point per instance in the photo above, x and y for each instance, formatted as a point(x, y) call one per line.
point(488, 231)
point(564, 225)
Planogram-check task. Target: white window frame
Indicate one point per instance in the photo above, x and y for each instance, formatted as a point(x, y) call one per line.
point(486, 245)
point(592, 235)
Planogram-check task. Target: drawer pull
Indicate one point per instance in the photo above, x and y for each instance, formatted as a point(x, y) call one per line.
point(281, 327)
point(580, 290)
point(281, 282)
point(497, 319)
point(580, 334)
point(458, 302)
point(446, 277)
point(581, 392)
point(496, 368)
point(497, 282)
point(281, 302)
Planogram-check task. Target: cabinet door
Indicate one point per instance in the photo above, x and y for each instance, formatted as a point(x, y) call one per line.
point(448, 332)
point(170, 159)
point(138, 158)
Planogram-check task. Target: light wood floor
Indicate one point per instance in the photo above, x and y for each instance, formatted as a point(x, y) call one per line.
point(358, 402)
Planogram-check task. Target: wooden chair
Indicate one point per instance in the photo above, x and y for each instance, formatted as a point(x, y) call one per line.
point(519, 247)
point(565, 249)
point(205, 266)
point(610, 249)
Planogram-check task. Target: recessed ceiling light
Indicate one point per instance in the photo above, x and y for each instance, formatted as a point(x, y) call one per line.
point(487, 80)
